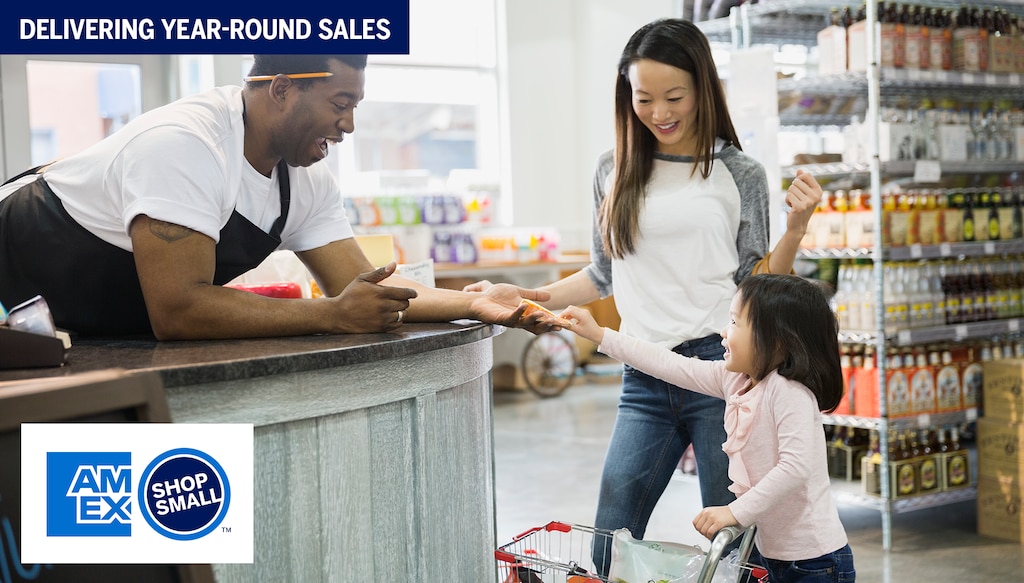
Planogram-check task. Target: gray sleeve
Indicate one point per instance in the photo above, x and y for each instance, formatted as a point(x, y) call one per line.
point(600, 269)
point(752, 183)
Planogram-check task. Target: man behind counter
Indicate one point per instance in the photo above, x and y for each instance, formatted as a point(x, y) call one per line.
point(138, 233)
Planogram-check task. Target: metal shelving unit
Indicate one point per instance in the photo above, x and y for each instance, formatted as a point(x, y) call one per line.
point(781, 22)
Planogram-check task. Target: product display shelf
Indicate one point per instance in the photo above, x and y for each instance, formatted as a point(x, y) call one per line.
point(902, 168)
point(801, 20)
point(847, 492)
point(905, 82)
point(906, 252)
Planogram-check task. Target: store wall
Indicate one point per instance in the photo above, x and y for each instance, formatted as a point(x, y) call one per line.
point(561, 59)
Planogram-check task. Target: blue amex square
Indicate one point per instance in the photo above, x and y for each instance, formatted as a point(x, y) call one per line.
point(137, 493)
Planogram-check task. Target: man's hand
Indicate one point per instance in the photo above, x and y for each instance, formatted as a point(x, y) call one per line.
point(713, 519)
point(502, 304)
point(365, 306)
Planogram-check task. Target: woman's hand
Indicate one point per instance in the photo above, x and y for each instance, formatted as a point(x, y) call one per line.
point(802, 197)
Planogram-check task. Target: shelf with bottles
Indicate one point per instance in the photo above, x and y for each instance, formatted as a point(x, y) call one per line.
point(781, 22)
point(950, 300)
point(927, 465)
point(926, 384)
point(919, 222)
point(905, 82)
point(902, 168)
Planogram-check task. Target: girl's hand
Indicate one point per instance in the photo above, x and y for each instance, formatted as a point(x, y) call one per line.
point(584, 324)
point(713, 519)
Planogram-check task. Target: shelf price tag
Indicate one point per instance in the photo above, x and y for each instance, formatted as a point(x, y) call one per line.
point(945, 249)
point(915, 251)
point(990, 79)
point(1013, 325)
point(960, 332)
point(1014, 80)
point(924, 420)
point(967, 78)
point(990, 248)
point(927, 171)
point(971, 414)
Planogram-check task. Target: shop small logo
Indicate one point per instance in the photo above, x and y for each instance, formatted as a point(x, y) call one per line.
point(88, 494)
point(184, 494)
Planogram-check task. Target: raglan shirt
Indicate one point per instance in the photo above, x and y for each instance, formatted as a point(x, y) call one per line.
point(778, 465)
point(184, 163)
point(697, 239)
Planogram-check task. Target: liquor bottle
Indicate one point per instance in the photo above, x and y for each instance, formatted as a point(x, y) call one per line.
point(906, 469)
point(957, 467)
point(994, 200)
point(968, 201)
point(928, 470)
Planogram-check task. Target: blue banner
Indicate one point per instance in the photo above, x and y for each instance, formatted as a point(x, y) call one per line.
point(193, 27)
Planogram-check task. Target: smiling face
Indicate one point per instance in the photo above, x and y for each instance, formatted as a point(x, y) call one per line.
point(320, 115)
point(738, 340)
point(665, 101)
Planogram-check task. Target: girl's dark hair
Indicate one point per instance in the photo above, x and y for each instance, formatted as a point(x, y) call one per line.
point(290, 64)
point(796, 332)
point(681, 44)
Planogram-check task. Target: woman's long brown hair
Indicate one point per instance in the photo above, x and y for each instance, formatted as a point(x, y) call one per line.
point(681, 44)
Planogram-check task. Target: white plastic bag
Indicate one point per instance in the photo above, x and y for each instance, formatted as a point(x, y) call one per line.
point(639, 561)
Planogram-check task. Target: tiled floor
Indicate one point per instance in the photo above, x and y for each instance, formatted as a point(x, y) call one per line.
point(548, 458)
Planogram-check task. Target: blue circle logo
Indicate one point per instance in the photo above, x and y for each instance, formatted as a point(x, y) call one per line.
point(184, 494)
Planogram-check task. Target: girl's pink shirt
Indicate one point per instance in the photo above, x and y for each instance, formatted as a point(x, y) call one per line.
point(775, 444)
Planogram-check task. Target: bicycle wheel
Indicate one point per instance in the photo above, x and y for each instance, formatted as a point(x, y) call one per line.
point(549, 364)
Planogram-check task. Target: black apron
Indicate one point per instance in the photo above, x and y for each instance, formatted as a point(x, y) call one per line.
point(91, 286)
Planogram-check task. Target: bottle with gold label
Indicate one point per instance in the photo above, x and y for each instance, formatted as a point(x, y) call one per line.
point(955, 462)
point(928, 471)
point(905, 474)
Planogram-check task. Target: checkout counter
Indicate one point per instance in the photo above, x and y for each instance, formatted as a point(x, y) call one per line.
point(373, 453)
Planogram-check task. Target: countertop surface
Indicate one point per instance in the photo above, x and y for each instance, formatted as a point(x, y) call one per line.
point(183, 363)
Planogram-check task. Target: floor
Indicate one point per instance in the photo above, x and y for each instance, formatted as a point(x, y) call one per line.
point(548, 458)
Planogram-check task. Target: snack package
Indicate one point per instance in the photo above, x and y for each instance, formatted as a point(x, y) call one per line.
point(532, 307)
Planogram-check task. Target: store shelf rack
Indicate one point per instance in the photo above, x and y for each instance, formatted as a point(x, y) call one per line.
point(781, 22)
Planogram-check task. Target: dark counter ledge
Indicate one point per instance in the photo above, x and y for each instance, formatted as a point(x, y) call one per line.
point(367, 447)
point(192, 362)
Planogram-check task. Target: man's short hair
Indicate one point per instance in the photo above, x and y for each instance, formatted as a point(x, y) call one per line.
point(290, 64)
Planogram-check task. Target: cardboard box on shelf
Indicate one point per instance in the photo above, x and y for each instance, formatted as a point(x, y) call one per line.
point(865, 392)
point(1003, 397)
point(832, 50)
point(1000, 445)
point(999, 509)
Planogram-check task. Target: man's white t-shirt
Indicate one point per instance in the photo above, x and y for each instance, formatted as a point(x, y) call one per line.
point(183, 163)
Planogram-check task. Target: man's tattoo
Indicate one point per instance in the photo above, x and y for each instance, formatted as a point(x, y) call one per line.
point(169, 231)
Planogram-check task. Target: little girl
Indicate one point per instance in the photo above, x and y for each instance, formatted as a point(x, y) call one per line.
point(781, 369)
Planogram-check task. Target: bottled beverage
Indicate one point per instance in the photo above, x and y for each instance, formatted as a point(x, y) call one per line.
point(928, 470)
point(969, 232)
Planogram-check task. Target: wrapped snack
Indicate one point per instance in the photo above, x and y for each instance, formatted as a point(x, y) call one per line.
point(532, 307)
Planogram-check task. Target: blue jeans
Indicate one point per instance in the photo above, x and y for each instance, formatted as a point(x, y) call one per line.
point(656, 422)
point(836, 567)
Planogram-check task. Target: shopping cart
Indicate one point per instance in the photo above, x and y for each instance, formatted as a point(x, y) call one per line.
point(560, 552)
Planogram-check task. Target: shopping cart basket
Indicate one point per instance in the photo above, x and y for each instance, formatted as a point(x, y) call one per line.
point(560, 552)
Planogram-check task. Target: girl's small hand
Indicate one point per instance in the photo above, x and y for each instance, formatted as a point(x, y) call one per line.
point(584, 324)
point(713, 519)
